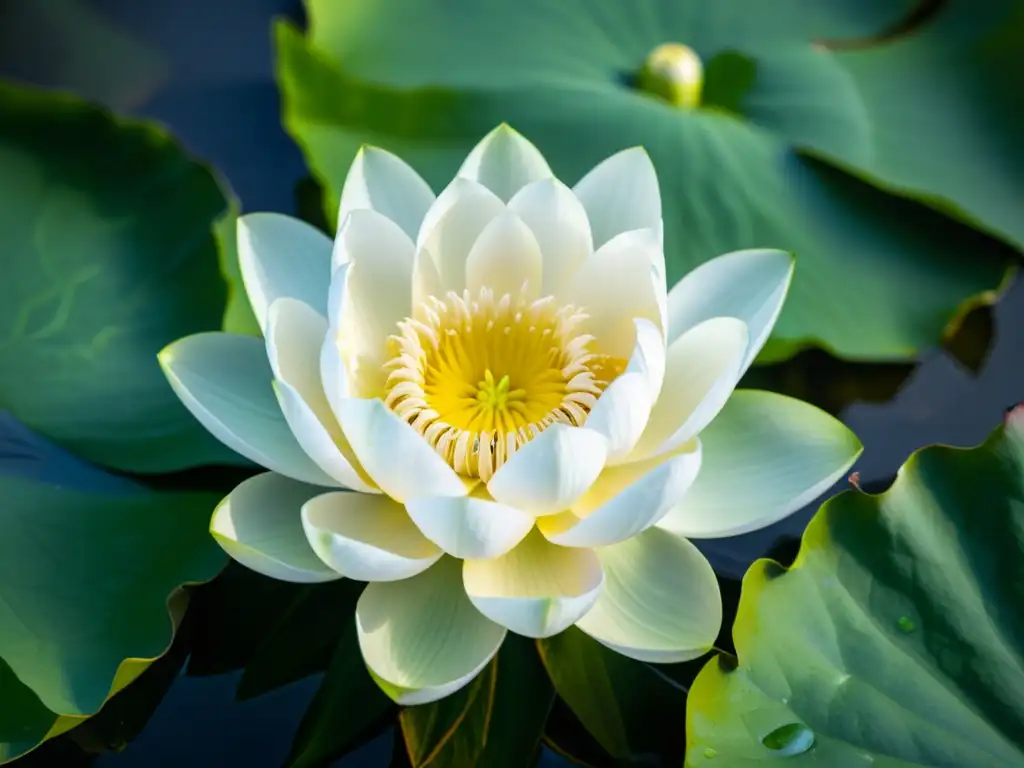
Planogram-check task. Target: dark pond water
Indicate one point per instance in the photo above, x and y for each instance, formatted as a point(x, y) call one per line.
point(203, 68)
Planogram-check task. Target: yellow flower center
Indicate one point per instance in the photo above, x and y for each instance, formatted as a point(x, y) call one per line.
point(479, 376)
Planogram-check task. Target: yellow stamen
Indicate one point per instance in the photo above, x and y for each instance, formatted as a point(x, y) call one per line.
point(479, 376)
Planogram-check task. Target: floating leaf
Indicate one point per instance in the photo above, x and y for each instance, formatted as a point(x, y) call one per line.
point(896, 638)
point(105, 235)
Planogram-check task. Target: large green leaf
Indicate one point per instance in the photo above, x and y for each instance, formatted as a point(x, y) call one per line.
point(108, 256)
point(427, 79)
point(497, 720)
point(897, 637)
point(91, 567)
point(944, 105)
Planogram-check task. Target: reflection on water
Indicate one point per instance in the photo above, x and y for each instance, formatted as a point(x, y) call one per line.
point(203, 67)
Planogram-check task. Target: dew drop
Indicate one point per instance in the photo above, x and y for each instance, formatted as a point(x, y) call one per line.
point(710, 753)
point(789, 740)
point(906, 624)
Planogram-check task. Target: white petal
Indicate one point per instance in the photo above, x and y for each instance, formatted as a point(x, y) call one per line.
point(395, 455)
point(421, 637)
point(383, 182)
point(259, 524)
point(378, 288)
point(626, 500)
point(295, 337)
point(551, 471)
point(765, 456)
point(622, 410)
point(470, 526)
point(750, 285)
point(504, 258)
point(559, 222)
point(505, 162)
point(621, 194)
point(615, 286)
point(701, 371)
point(426, 280)
point(367, 538)
point(280, 256)
point(661, 602)
point(538, 589)
point(225, 380)
point(452, 226)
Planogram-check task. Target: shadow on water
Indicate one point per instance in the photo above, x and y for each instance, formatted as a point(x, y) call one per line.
point(203, 68)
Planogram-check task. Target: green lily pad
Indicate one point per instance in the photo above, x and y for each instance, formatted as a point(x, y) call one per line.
point(427, 79)
point(944, 107)
point(896, 638)
point(91, 568)
point(108, 254)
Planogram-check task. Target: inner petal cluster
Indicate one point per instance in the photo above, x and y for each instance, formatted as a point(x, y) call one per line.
point(480, 375)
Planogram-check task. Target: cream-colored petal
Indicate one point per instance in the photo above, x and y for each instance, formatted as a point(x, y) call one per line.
point(452, 226)
point(660, 603)
point(750, 285)
point(622, 410)
point(224, 380)
point(295, 337)
point(470, 526)
point(394, 455)
point(259, 524)
point(701, 371)
point(380, 181)
point(367, 538)
point(505, 258)
point(421, 637)
point(616, 285)
point(626, 500)
point(559, 222)
point(426, 280)
point(621, 194)
point(537, 589)
point(281, 256)
point(505, 162)
point(765, 456)
point(378, 288)
point(551, 471)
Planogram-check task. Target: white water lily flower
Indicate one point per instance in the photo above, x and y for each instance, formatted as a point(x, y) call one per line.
point(521, 429)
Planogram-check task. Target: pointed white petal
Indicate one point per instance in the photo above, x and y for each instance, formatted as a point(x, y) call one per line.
point(538, 589)
point(765, 456)
point(295, 337)
point(622, 410)
point(452, 226)
point(750, 285)
point(621, 194)
point(225, 380)
point(395, 455)
point(701, 371)
point(661, 602)
point(559, 222)
point(504, 258)
point(505, 162)
point(551, 471)
point(615, 286)
point(259, 524)
point(470, 526)
point(626, 500)
point(421, 637)
point(280, 256)
point(383, 182)
point(367, 538)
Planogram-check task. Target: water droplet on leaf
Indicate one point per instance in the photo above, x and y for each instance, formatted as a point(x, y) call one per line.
point(675, 73)
point(906, 624)
point(790, 739)
point(710, 753)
